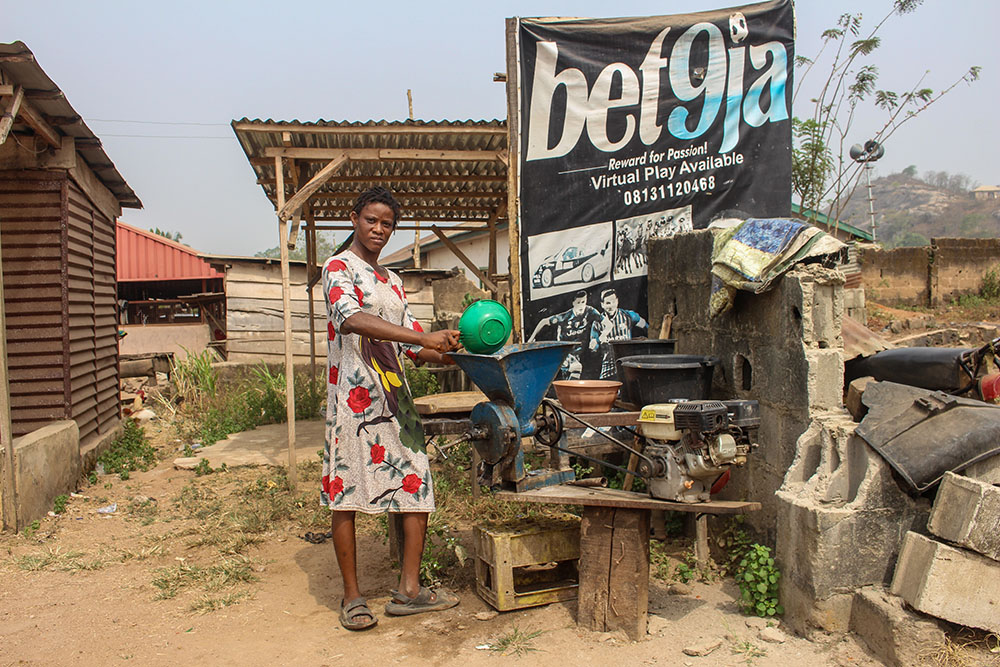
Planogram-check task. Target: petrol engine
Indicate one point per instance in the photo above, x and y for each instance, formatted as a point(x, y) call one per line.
point(690, 445)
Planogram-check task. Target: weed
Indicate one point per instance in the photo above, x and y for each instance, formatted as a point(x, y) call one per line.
point(989, 289)
point(207, 603)
point(144, 509)
point(59, 504)
point(515, 642)
point(205, 468)
point(31, 528)
point(660, 563)
point(228, 573)
point(92, 478)
point(964, 648)
point(735, 542)
point(580, 469)
point(130, 451)
point(194, 377)
point(442, 551)
point(145, 553)
point(420, 380)
point(57, 559)
point(758, 576)
point(684, 573)
point(748, 650)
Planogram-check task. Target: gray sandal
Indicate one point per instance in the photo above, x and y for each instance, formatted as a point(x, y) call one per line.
point(357, 615)
point(425, 600)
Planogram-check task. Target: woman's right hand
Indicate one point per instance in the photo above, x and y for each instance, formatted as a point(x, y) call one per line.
point(443, 340)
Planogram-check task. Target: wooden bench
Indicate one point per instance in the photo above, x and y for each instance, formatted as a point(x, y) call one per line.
point(614, 549)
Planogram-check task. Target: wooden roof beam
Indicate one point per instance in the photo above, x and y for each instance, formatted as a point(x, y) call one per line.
point(299, 198)
point(325, 154)
point(465, 260)
point(447, 178)
point(31, 117)
point(12, 103)
point(415, 207)
point(400, 194)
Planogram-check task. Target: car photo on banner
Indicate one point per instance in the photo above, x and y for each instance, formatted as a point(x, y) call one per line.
point(569, 260)
point(632, 234)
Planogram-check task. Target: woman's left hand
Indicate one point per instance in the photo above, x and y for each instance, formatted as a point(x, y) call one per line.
point(443, 340)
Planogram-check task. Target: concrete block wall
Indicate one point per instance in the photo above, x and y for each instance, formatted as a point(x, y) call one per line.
point(959, 265)
point(782, 348)
point(928, 275)
point(897, 276)
point(967, 513)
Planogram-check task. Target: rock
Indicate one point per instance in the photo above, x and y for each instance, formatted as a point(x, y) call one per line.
point(679, 589)
point(656, 624)
point(772, 635)
point(486, 615)
point(896, 634)
point(703, 647)
point(756, 623)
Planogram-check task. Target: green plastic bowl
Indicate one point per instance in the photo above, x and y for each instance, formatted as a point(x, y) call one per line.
point(485, 326)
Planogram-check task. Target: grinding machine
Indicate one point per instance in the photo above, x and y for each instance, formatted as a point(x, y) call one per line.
point(689, 446)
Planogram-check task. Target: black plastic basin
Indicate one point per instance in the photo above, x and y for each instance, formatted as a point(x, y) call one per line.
point(640, 347)
point(657, 378)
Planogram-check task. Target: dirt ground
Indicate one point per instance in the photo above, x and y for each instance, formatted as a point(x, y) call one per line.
point(210, 569)
point(166, 580)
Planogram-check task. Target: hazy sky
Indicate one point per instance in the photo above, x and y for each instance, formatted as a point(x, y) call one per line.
point(206, 63)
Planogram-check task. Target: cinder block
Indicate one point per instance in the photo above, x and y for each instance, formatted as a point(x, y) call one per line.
point(855, 391)
point(987, 470)
point(895, 634)
point(46, 464)
point(826, 378)
point(967, 512)
point(954, 584)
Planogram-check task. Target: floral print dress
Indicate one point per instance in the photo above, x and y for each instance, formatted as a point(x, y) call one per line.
point(374, 457)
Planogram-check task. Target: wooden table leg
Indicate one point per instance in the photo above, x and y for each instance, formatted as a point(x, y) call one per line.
point(701, 553)
point(614, 570)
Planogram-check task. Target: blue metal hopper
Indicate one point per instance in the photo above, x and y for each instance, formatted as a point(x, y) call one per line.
point(517, 375)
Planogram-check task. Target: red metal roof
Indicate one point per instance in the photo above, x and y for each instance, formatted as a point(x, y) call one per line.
point(144, 255)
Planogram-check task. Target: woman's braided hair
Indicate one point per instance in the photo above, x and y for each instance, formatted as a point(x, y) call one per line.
point(373, 195)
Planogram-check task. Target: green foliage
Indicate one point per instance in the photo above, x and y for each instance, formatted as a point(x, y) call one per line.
point(59, 504)
point(31, 528)
point(515, 642)
point(735, 542)
point(130, 451)
point(580, 469)
point(990, 287)
point(470, 299)
point(758, 579)
point(173, 236)
point(194, 377)
point(205, 468)
point(326, 243)
point(812, 162)
point(420, 380)
point(441, 551)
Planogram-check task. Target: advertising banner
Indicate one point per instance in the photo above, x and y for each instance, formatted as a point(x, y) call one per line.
point(634, 128)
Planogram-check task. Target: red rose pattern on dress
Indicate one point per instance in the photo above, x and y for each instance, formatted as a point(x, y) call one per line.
point(334, 373)
point(361, 296)
point(411, 483)
point(358, 399)
point(378, 453)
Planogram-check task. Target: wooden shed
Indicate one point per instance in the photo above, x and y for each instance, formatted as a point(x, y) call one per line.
point(60, 196)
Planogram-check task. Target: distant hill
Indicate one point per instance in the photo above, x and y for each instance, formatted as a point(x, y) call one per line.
point(911, 211)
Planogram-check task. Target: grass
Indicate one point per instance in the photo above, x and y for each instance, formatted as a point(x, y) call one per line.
point(54, 558)
point(129, 452)
point(964, 648)
point(227, 573)
point(209, 603)
point(747, 650)
point(516, 642)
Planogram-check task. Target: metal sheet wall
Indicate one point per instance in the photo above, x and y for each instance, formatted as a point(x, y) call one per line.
point(31, 214)
point(92, 316)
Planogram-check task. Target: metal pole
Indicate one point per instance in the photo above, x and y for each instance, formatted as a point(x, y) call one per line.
point(871, 200)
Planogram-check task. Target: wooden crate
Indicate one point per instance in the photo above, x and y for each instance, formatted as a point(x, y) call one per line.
point(532, 563)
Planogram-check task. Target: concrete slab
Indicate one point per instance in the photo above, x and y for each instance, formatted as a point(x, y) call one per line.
point(263, 446)
point(967, 512)
point(46, 464)
point(954, 584)
point(897, 635)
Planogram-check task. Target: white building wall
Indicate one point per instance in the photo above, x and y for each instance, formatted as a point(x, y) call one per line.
point(476, 249)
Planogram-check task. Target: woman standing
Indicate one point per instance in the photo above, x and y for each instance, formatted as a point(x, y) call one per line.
point(375, 459)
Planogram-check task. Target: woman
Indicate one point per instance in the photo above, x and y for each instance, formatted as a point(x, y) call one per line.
point(375, 459)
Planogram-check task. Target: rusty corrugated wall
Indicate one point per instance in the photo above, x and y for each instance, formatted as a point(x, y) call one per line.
point(60, 297)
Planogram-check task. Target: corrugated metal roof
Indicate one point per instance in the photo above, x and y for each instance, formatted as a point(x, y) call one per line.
point(18, 63)
point(146, 256)
point(442, 171)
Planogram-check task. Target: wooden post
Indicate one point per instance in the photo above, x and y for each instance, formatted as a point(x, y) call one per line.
point(8, 494)
point(286, 305)
point(311, 262)
point(416, 245)
point(513, 148)
point(614, 570)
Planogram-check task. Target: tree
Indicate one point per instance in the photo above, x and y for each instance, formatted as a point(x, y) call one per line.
point(173, 236)
point(326, 243)
point(822, 173)
point(911, 171)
